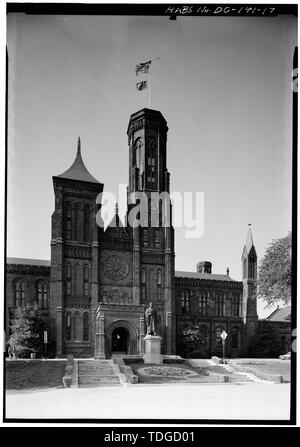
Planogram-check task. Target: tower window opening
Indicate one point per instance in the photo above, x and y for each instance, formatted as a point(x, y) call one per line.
point(185, 302)
point(202, 301)
point(68, 326)
point(220, 305)
point(68, 279)
point(69, 222)
point(86, 280)
point(235, 306)
point(85, 326)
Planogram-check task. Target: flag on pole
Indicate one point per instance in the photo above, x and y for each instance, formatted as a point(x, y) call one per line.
point(141, 85)
point(143, 67)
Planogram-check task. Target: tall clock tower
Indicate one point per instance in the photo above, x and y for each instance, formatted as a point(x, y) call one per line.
point(153, 244)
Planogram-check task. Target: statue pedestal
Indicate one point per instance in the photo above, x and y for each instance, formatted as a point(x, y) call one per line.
point(152, 350)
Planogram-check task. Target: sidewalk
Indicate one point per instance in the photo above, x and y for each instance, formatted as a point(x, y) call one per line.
point(182, 401)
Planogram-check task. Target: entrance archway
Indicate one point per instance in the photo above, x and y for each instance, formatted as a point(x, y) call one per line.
point(126, 331)
point(120, 340)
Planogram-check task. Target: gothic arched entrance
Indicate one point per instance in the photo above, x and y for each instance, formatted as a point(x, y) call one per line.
point(120, 340)
point(122, 337)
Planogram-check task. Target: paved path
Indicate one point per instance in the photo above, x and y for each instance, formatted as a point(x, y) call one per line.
point(178, 401)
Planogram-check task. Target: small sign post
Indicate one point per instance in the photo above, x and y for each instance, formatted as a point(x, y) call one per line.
point(45, 342)
point(224, 336)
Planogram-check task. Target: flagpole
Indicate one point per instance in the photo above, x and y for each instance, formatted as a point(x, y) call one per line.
point(149, 87)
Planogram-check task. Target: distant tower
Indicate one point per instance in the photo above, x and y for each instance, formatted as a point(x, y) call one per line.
point(249, 266)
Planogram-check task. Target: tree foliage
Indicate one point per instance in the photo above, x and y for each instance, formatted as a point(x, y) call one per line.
point(193, 342)
point(27, 331)
point(266, 343)
point(274, 275)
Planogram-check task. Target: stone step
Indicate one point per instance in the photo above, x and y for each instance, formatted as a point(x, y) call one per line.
point(95, 369)
point(99, 382)
point(94, 373)
point(98, 385)
point(96, 382)
point(96, 376)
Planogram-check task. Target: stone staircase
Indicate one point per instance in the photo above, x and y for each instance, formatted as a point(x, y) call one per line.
point(95, 373)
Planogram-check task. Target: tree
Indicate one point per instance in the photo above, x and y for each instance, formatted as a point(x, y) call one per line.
point(193, 341)
point(266, 343)
point(274, 276)
point(27, 331)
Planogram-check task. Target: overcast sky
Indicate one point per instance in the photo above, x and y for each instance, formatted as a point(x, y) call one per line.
point(222, 84)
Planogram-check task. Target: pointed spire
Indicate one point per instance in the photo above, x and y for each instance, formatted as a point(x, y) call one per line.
point(227, 271)
point(117, 209)
point(79, 147)
point(249, 244)
point(249, 239)
point(78, 170)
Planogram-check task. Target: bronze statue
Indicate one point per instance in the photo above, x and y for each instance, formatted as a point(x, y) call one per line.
point(150, 319)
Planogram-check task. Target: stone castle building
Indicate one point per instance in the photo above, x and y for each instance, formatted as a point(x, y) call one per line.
point(96, 286)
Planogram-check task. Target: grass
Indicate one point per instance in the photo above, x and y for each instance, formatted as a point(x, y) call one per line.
point(269, 366)
point(26, 374)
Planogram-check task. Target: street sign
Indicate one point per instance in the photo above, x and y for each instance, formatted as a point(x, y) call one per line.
point(224, 335)
point(45, 337)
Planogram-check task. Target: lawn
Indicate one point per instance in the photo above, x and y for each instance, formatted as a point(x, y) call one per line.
point(268, 366)
point(26, 374)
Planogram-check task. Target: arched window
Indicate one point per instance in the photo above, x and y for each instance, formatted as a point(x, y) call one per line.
point(159, 289)
point(86, 224)
point(151, 165)
point(185, 302)
point(68, 326)
point(78, 222)
point(40, 294)
point(23, 293)
point(143, 294)
point(159, 282)
point(69, 221)
point(202, 300)
point(45, 296)
point(235, 306)
point(86, 280)
point(234, 338)
point(17, 294)
point(220, 305)
point(85, 326)
point(158, 277)
point(77, 327)
point(68, 279)
point(143, 276)
point(136, 155)
point(78, 280)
